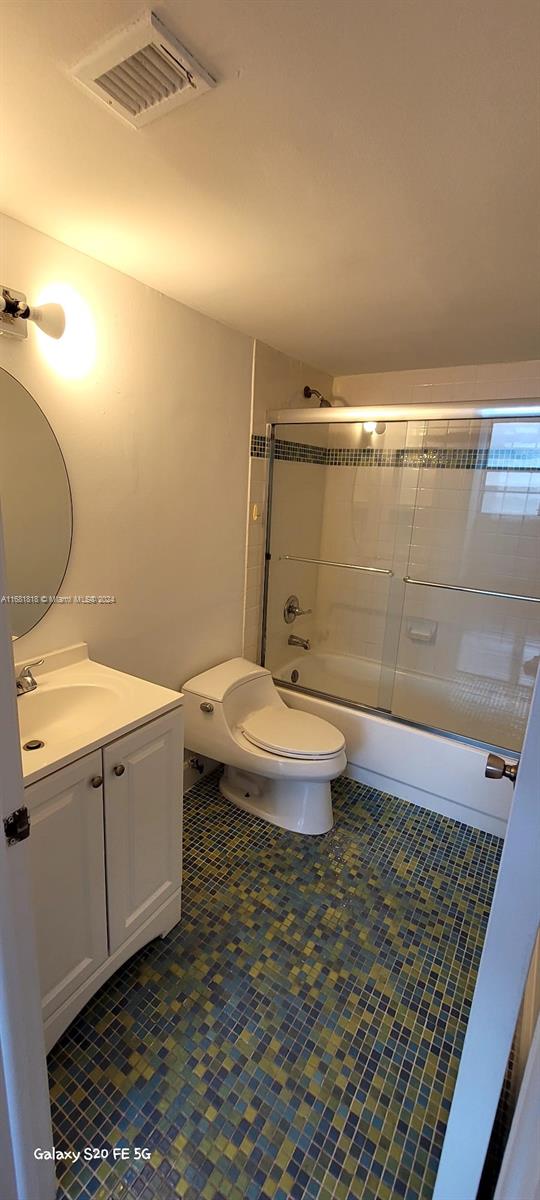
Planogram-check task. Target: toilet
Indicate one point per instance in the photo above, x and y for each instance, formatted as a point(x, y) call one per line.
point(278, 761)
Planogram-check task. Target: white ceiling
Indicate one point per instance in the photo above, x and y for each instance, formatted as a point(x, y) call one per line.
point(362, 191)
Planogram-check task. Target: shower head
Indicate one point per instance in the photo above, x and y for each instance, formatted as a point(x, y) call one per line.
point(309, 392)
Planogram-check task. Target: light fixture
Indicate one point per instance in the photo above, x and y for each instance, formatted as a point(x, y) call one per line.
point(15, 312)
point(74, 355)
point(375, 427)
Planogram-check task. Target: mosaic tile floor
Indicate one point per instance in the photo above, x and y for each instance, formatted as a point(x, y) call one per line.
point(298, 1034)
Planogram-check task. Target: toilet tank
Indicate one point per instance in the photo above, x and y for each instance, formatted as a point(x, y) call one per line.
point(228, 693)
point(218, 682)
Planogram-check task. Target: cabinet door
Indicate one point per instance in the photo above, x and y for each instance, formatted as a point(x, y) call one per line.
point(68, 877)
point(143, 822)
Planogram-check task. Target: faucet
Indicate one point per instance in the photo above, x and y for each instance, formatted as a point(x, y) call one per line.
point(293, 640)
point(25, 680)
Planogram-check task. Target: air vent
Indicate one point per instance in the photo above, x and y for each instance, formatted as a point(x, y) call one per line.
point(143, 72)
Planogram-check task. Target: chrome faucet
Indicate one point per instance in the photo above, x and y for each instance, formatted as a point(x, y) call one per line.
point(25, 680)
point(292, 610)
point(293, 640)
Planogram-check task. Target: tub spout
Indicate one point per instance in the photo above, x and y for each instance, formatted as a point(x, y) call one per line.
point(293, 640)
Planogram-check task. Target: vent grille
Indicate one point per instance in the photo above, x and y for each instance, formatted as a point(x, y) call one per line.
point(143, 72)
point(145, 79)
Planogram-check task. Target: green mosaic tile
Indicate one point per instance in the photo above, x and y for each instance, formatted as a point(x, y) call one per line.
point(298, 1034)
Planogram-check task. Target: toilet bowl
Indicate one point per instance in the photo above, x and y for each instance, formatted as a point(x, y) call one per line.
point(278, 761)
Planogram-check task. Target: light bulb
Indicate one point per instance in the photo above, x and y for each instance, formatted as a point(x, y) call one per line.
point(71, 354)
point(51, 318)
point(370, 426)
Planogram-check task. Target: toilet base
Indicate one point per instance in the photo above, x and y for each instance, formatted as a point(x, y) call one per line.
point(301, 805)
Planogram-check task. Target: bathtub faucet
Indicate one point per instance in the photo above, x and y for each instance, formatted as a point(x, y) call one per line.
point(293, 640)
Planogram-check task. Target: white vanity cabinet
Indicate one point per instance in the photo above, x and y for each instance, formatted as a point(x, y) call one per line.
point(141, 772)
point(68, 877)
point(105, 840)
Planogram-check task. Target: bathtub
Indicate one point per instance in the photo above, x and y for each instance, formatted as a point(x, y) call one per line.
point(444, 774)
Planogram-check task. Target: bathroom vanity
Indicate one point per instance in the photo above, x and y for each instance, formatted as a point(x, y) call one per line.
point(102, 752)
point(104, 796)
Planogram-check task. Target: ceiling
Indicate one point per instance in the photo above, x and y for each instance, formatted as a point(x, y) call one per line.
point(361, 191)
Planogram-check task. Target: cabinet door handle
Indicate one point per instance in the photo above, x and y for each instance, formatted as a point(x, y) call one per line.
point(119, 769)
point(96, 781)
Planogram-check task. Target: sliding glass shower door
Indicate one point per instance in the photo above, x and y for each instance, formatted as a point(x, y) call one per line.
point(469, 643)
point(342, 507)
point(404, 569)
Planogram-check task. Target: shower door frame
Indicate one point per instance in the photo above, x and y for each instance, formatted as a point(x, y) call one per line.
point(460, 410)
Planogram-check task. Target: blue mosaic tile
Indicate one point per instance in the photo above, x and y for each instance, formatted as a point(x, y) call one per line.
point(476, 459)
point(298, 1034)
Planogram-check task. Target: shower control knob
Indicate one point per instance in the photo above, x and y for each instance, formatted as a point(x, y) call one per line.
point(292, 610)
point(497, 768)
point(206, 707)
point(119, 769)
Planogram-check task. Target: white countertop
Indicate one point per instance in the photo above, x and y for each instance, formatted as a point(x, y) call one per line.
point(80, 705)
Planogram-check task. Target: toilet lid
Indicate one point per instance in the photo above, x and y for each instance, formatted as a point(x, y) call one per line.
point(292, 733)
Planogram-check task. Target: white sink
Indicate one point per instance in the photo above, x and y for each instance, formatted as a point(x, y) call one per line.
point(49, 709)
point(79, 705)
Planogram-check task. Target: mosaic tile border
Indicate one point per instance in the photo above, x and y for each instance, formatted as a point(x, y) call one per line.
point(469, 460)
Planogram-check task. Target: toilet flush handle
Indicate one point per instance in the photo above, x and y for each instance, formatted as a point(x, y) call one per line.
point(206, 707)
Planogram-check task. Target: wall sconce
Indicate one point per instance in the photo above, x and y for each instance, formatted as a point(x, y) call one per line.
point(15, 312)
point(375, 427)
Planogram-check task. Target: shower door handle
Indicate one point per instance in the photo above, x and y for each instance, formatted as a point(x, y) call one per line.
point(497, 768)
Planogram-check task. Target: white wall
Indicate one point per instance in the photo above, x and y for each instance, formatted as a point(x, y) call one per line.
point(443, 385)
point(156, 441)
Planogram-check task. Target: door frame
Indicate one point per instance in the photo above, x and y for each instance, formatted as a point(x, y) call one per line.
point(25, 1118)
point(502, 975)
point(520, 1170)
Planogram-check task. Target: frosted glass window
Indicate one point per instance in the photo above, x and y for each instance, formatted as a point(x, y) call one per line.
point(513, 493)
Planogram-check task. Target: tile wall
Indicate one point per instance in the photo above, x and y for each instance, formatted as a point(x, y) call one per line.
point(454, 502)
point(278, 382)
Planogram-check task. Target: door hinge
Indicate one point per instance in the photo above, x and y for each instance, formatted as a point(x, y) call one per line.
point(17, 826)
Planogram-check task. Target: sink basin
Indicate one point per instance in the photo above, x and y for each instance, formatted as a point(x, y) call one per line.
point(80, 705)
point(45, 711)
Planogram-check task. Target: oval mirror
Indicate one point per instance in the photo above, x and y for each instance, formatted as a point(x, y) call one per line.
point(36, 506)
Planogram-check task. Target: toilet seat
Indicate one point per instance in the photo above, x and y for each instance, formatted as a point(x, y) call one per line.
point(291, 733)
point(278, 761)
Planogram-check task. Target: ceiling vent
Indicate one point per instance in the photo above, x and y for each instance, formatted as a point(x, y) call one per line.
point(143, 72)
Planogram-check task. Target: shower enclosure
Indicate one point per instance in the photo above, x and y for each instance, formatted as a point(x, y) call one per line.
point(409, 538)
